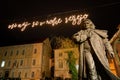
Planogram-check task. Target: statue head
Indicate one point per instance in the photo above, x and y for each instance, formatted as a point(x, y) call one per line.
point(88, 24)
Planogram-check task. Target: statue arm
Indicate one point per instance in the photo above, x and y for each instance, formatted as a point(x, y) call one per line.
point(80, 36)
point(108, 47)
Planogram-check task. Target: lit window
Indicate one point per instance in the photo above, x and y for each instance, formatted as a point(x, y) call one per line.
point(3, 63)
point(77, 67)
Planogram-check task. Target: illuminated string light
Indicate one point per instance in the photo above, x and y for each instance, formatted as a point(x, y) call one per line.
point(54, 21)
point(41, 23)
point(35, 23)
point(21, 26)
point(74, 19)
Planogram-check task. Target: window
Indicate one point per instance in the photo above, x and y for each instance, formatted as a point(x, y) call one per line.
point(60, 64)
point(0, 74)
point(32, 75)
point(34, 61)
point(17, 52)
point(3, 63)
point(25, 75)
point(9, 64)
point(5, 53)
point(35, 50)
point(60, 54)
point(77, 67)
point(21, 62)
point(19, 74)
point(23, 52)
point(11, 53)
point(15, 63)
point(12, 74)
point(119, 39)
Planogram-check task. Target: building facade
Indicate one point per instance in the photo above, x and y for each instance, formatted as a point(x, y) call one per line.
point(28, 61)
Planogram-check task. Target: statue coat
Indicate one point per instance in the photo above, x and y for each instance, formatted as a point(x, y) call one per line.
point(100, 44)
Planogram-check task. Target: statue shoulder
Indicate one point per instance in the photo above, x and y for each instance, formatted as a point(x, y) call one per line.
point(102, 33)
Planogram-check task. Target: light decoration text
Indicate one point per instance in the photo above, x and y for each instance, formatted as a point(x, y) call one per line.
point(74, 19)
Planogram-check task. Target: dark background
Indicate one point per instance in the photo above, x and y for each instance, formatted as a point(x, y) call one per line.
point(104, 13)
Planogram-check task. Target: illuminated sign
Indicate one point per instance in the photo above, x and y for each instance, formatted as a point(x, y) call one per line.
point(74, 19)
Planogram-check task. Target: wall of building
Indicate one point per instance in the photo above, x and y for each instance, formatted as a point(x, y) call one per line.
point(25, 61)
point(60, 58)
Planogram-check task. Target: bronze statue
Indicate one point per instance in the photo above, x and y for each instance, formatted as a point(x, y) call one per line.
point(94, 46)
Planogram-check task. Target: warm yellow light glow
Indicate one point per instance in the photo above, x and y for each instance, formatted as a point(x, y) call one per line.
point(54, 21)
point(3, 63)
point(77, 67)
point(35, 23)
point(21, 26)
point(74, 19)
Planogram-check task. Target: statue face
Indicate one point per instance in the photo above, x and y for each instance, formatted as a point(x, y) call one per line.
point(89, 24)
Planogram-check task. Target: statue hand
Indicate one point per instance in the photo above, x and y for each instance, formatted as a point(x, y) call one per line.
point(112, 54)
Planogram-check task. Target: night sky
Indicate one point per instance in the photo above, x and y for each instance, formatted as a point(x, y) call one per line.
point(104, 14)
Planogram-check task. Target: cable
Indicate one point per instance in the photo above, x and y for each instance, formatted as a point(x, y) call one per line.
point(109, 4)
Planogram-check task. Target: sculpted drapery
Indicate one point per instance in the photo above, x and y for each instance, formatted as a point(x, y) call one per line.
point(94, 46)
